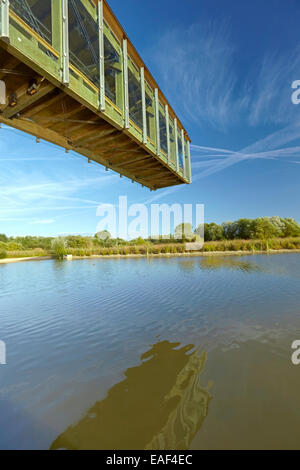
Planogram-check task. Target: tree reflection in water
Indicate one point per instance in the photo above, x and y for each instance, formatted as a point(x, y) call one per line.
point(159, 405)
point(229, 262)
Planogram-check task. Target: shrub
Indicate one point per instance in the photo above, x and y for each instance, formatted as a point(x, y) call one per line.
point(12, 246)
point(27, 253)
point(275, 245)
point(58, 247)
point(3, 254)
point(77, 241)
point(290, 246)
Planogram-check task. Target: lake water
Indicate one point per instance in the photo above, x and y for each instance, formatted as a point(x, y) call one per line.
point(178, 353)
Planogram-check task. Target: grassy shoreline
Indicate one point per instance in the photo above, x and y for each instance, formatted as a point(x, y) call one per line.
point(193, 254)
point(225, 247)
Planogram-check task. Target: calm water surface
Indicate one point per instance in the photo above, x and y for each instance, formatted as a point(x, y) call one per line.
point(187, 353)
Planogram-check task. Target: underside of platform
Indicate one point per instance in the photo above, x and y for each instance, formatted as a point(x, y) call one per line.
point(49, 113)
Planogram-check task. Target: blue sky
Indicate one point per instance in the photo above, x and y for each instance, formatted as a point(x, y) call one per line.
point(227, 69)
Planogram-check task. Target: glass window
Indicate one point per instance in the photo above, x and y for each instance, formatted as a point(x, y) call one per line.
point(113, 72)
point(150, 112)
point(135, 99)
point(172, 142)
point(84, 41)
point(163, 130)
point(180, 149)
point(36, 14)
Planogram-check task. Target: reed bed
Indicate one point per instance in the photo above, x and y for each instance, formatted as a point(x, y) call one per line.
point(171, 248)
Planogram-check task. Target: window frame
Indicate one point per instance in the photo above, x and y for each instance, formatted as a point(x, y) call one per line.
point(133, 68)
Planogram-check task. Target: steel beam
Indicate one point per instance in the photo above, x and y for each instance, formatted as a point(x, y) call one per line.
point(156, 101)
point(126, 92)
point(189, 160)
point(145, 136)
point(176, 144)
point(183, 152)
point(4, 15)
point(101, 57)
point(65, 43)
point(168, 133)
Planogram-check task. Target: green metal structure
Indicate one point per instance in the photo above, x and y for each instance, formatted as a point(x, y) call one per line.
point(73, 77)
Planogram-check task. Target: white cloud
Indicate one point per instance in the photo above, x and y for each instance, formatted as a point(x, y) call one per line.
point(204, 80)
point(200, 71)
point(271, 92)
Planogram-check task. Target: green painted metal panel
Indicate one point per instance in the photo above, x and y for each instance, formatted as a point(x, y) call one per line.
point(34, 50)
point(57, 26)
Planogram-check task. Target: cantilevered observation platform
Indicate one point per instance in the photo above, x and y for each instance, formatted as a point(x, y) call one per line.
point(73, 78)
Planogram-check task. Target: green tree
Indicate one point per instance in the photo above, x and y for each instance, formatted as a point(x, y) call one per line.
point(279, 225)
point(265, 230)
point(228, 230)
point(292, 228)
point(212, 232)
point(103, 235)
point(243, 229)
point(184, 231)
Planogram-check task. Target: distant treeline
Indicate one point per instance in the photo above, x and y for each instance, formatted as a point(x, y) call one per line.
point(252, 229)
point(75, 241)
point(264, 228)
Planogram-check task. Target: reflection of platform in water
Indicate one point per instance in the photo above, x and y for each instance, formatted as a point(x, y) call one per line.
point(160, 405)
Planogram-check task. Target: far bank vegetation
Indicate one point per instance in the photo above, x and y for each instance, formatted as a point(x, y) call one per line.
point(262, 234)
